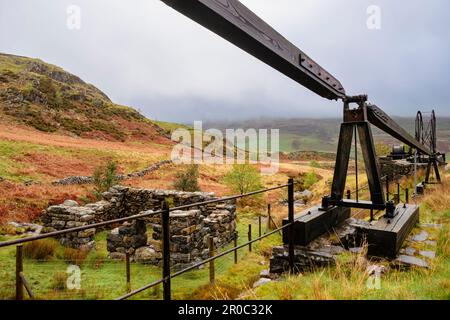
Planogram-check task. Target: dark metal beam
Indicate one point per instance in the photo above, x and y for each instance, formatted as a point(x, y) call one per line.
point(234, 22)
point(380, 119)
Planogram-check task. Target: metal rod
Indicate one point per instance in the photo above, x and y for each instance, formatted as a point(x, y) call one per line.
point(387, 189)
point(407, 195)
point(398, 192)
point(259, 226)
point(178, 273)
point(128, 273)
point(148, 286)
point(211, 263)
point(199, 264)
point(291, 222)
point(19, 270)
point(415, 174)
point(250, 238)
point(134, 217)
point(165, 217)
point(356, 164)
point(235, 250)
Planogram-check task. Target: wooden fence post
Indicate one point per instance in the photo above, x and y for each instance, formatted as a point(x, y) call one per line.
point(269, 218)
point(165, 222)
point(211, 263)
point(291, 221)
point(250, 237)
point(128, 273)
point(349, 194)
point(19, 270)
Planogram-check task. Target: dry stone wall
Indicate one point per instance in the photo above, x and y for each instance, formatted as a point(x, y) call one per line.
point(70, 215)
point(189, 229)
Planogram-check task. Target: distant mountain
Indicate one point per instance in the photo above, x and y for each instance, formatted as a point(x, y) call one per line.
point(303, 134)
point(51, 99)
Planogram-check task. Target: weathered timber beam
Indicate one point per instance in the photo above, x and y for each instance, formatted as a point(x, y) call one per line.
point(234, 22)
point(380, 119)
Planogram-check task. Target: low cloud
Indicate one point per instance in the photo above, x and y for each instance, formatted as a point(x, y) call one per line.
point(145, 54)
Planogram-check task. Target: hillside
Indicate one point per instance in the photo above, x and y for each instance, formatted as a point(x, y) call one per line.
point(302, 134)
point(50, 99)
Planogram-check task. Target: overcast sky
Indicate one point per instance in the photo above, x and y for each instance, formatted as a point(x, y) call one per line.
point(144, 54)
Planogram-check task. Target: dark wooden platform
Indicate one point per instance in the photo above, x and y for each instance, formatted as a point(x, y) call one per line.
point(313, 223)
point(386, 236)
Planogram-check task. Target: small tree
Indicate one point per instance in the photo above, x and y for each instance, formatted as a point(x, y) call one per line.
point(104, 178)
point(243, 178)
point(187, 180)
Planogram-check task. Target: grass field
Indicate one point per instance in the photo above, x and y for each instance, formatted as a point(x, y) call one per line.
point(102, 278)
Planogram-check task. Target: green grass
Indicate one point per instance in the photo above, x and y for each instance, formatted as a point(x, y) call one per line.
point(170, 127)
point(102, 278)
point(347, 280)
point(306, 143)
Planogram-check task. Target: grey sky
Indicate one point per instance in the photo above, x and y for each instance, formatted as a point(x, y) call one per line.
point(144, 54)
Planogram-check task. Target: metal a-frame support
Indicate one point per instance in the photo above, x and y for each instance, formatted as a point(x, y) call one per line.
point(357, 118)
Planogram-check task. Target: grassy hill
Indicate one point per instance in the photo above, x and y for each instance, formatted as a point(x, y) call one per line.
point(50, 99)
point(301, 134)
point(54, 125)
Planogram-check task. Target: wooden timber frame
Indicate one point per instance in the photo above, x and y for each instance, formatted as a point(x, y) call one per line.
point(356, 122)
point(234, 22)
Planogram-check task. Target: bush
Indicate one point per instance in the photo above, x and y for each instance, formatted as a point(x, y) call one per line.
point(306, 180)
point(41, 249)
point(75, 256)
point(59, 281)
point(187, 180)
point(243, 178)
point(104, 178)
point(311, 178)
point(314, 164)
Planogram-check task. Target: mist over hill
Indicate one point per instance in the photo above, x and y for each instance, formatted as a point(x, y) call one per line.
point(314, 134)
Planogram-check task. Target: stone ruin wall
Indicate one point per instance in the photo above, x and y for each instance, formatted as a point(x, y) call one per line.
point(190, 229)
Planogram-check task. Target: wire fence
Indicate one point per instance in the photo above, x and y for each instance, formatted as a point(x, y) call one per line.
point(218, 260)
